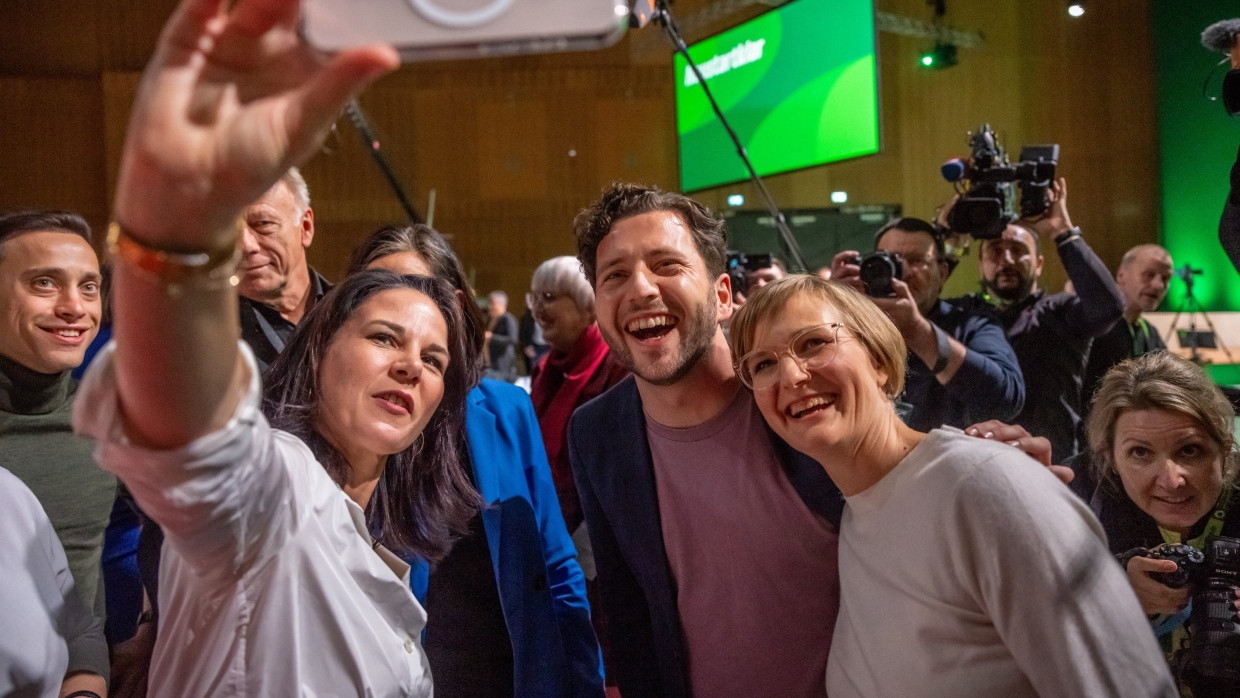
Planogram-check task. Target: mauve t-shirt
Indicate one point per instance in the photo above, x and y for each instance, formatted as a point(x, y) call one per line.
point(756, 574)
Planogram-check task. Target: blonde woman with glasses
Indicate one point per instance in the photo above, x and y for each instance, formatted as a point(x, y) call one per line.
point(966, 568)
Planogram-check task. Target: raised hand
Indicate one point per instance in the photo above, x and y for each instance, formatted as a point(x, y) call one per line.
point(231, 98)
point(1036, 447)
point(845, 269)
point(1056, 219)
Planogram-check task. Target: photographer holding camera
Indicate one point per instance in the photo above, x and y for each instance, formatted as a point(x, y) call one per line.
point(1050, 333)
point(965, 370)
point(1161, 446)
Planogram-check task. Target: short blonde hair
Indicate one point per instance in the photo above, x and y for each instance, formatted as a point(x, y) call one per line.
point(1160, 381)
point(868, 324)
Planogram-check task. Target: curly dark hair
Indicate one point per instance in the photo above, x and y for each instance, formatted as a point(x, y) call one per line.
point(424, 499)
point(622, 201)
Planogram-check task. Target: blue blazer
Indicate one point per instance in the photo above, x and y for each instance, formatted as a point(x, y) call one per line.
point(541, 587)
point(614, 471)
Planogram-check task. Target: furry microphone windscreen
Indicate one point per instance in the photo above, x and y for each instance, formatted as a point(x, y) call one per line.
point(1221, 36)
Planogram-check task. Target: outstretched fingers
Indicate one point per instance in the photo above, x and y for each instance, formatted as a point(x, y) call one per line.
point(318, 103)
point(257, 17)
point(190, 22)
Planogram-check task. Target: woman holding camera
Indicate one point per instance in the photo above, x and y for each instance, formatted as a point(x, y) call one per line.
point(966, 568)
point(1162, 451)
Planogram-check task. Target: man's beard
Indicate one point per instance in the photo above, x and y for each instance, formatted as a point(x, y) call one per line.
point(1013, 294)
point(697, 331)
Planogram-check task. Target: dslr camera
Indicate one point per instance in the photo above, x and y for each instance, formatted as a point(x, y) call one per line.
point(878, 270)
point(987, 202)
point(739, 263)
point(1213, 574)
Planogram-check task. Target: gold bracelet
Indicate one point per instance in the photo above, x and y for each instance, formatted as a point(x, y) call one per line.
point(176, 270)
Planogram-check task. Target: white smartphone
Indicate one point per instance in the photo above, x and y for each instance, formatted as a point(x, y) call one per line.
point(439, 29)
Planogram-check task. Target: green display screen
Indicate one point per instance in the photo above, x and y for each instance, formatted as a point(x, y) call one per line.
point(1197, 146)
point(799, 85)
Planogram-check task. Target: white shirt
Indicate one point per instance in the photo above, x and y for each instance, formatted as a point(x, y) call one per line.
point(969, 570)
point(268, 582)
point(40, 612)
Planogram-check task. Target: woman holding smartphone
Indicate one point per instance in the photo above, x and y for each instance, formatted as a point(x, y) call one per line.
point(277, 580)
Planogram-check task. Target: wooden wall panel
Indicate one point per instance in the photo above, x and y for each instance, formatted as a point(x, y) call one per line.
point(129, 30)
point(493, 137)
point(119, 90)
point(51, 146)
point(59, 38)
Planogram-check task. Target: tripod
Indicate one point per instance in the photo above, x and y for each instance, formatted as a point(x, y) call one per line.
point(1193, 307)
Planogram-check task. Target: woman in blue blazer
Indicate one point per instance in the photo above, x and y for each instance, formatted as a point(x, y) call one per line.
point(524, 629)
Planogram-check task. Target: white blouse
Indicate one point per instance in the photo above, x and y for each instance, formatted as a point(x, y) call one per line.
point(268, 582)
point(42, 619)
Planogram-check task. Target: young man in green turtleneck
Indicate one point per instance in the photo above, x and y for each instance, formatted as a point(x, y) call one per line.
point(50, 305)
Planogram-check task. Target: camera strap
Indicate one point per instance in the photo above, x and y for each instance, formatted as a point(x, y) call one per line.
point(1139, 333)
point(1213, 527)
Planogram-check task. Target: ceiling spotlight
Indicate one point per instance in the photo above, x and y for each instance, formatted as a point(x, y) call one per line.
point(1077, 8)
point(942, 55)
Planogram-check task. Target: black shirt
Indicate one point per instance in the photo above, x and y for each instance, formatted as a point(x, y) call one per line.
point(266, 330)
point(988, 385)
point(1123, 341)
point(467, 640)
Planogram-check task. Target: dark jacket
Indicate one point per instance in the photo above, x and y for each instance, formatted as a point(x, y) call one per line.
point(1051, 335)
point(541, 587)
point(502, 349)
point(1229, 222)
point(1121, 342)
point(614, 470)
point(265, 330)
point(988, 385)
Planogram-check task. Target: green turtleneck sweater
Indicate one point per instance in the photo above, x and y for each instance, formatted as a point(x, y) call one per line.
point(37, 444)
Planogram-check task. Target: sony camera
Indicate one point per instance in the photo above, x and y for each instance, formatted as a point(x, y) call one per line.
point(739, 263)
point(878, 270)
point(1214, 575)
point(988, 201)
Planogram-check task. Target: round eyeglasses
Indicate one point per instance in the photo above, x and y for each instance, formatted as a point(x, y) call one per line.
point(811, 348)
point(536, 298)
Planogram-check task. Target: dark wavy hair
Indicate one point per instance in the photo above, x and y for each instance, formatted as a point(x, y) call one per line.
point(424, 499)
point(622, 201)
point(438, 255)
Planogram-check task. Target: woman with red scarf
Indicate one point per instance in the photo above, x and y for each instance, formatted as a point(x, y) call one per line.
point(578, 369)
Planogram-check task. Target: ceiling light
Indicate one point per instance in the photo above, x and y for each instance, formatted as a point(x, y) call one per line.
point(942, 55)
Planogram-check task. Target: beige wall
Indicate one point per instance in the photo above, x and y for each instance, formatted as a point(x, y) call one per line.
point(493, 137)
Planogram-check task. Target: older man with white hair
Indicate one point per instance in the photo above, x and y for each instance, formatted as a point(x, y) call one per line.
point(277, 285)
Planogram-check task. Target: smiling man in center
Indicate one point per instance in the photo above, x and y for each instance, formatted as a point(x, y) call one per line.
point(715, 542)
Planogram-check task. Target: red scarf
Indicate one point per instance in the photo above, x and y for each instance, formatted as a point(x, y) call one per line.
point(556, 392)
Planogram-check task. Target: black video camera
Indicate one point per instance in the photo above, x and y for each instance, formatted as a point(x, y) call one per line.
point(739, 263)
point(986, 205)
point(1214, 574)
point(878, 270)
